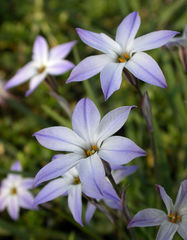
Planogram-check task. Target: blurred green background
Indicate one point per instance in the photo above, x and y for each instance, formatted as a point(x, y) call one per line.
point(20, 23)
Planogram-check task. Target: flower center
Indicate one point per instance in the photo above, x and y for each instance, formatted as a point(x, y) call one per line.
point(91, 151)
point(174, 218)
point(41, 69)
point(76, 180)
point(13, 191)
point(123, 58)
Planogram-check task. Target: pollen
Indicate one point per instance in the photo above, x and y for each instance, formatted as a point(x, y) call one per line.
point(121, 60)
point(41, 69)
point(13, 191)
point(76, 180)
point(126, 56)
point(174, 218)
point(91, 151)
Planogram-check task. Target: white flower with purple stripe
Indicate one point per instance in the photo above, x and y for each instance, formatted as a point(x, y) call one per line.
point(174, 221)
point(14, 192)
point(124, 52)
point(71, 185)
point(87, 144)
point(43, 62)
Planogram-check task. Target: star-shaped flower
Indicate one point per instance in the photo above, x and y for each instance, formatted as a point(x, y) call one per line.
point(70, 184)
point(43, 62)
point(174, 221)
point(14, 192)
point(124, 52)
point(90, 141)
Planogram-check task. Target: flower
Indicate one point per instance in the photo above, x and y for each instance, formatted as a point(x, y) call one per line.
point(88, 143)
point(43, 62)
point(70, 184)
point(174, 221)
point(179, 41)
point(125, 52)
point(14, 192)
point(118, 173)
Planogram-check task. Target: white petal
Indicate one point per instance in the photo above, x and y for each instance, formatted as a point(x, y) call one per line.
point(181, 200)
point(13, 207)
point(85, 119)
point(182, 230)
point(34, 82)
point(111, 77)
point(127, 30)
point(167, 230)
point(59, 67)
point(89, 67)
point(40, 50)
point(145, 68)
point(26, 200)
point(166, 199)
point(90, 210)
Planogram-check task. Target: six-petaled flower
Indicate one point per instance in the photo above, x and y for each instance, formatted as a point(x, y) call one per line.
point(124, 52)
point(43, 62)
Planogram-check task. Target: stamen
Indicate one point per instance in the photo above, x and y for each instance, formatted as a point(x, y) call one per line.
point(174, 218)
point(41, 69)
point(126, 56)
point(13, 191)
point(121, 60)
point(92, 151)
point(76, 180)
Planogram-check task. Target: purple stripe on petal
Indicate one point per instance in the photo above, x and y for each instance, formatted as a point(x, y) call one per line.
point(112, 122)
point(145, 68)
point(56, 168)
point(127, 30)
point(119, 150)
point(60, 139)
point(152, 40)
point(61, 51)
point(167, 230)
point(111, 77)
point(52, 190)
point(148, 217)
point(13, 207)
point(88, 67)
point(59, 67)
point(85, 119)
point(166, 199)
point(75, 202)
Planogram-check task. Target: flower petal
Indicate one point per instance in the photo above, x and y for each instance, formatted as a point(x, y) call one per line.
point(88, 67)
point(166, 199)
point(181, 200)
point(90, 210)
point(152, 40)
point(92, 179)
point(13, 207)
point(85, 119)
point(52, 190)
point(148, 217)
point(16, 166)
point(145, 68)
point(3, 202)
point(27, 183)
point(34, 82)
point(119, 150)
point(60, 139)
point(59, 67)
point(26, 200)
point(112, 122)
point(99, 41)
point(182, 230)
point(167, 230)
point(22, 75)
point(121, 172)
point(40, 50)
point(75, 202)
point(111, 77)
point(61, 51)
point(56, 168)
point(128, 29)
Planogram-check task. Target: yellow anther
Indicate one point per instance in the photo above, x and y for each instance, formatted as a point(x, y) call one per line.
point(77, 180)
point(41, 69)
point(95, 148)
point(13, 191)
point(121, 60)
point(174, 218)
point(92, 151)
point(126, 56)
